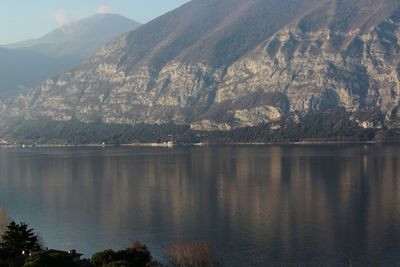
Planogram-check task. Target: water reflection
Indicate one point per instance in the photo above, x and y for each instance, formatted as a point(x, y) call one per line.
point(272, 205)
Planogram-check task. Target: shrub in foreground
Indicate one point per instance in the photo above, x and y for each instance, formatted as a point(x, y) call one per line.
point(192, 254)
point(4, 222)
point(137, 255)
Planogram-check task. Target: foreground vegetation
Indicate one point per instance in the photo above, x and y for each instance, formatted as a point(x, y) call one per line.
point(20, 246)
point(335, 125)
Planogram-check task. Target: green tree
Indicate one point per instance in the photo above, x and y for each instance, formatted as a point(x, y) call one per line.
point(17, 238)
point(103, 258)
point(136, 256)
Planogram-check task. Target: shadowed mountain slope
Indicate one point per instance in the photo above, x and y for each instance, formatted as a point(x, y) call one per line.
point(27, 64)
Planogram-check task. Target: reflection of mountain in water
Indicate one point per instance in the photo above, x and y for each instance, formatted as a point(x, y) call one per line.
point(257, 205)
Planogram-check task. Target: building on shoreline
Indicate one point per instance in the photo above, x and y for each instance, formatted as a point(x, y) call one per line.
point(4, 142)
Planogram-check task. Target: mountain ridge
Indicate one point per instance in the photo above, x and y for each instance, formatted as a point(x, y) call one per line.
point(243, 63)
point(27, 64)
point(100, 27)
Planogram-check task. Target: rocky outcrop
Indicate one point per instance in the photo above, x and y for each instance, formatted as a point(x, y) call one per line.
point(329, 54)
point(360, 73)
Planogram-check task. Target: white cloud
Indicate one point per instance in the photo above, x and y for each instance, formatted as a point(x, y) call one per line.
point(104, 10)
point(60, 18)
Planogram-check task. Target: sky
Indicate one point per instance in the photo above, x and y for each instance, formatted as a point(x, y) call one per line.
point(26, 19)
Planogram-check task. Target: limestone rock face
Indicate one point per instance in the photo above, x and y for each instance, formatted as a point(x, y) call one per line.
point(256, 115)
point(361, 73)
point(234, 63)
point(209, 125)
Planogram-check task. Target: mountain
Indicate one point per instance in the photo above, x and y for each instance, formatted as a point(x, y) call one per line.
point(21, 69)
point(27, 64)
point(82, 38)
point(222, 64)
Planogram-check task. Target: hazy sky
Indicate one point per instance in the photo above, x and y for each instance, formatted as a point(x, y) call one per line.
point(27, 19)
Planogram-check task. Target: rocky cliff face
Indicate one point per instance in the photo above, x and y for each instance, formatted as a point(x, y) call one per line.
point(358, 70)
point(241, 64)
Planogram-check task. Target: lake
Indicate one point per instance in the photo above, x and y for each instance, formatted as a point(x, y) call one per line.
point(277, 205)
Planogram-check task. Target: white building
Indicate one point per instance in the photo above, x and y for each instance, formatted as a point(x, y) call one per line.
point(3, 142)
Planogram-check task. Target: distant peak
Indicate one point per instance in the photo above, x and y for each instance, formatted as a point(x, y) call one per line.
point(96, 30)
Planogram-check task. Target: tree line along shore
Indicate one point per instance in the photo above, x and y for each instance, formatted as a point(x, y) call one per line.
point(333, 125)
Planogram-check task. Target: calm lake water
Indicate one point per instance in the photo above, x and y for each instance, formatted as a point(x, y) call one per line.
point(290, 205)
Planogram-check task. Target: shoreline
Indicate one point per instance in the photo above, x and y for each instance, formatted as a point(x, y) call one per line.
point(166, 145)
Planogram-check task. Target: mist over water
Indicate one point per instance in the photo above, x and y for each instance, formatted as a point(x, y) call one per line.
point(257, 205)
